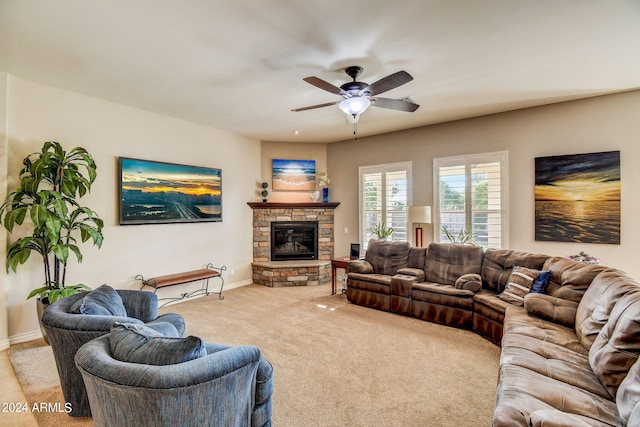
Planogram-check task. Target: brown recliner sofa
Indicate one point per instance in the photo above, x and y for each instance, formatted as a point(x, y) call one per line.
point(369, 280)
point(569, 353)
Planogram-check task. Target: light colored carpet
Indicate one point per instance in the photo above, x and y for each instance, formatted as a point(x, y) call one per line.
point(335, 363)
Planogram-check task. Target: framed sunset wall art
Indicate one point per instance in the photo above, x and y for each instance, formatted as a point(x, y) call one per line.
point(577, 198)
point(293, 175)
point(158, 192)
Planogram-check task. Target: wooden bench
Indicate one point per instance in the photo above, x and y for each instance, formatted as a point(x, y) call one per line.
point(186, 277)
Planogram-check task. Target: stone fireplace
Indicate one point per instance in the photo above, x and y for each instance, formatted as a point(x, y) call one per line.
point(304, 270)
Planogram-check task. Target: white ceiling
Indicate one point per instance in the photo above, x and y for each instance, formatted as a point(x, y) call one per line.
point(238, 65)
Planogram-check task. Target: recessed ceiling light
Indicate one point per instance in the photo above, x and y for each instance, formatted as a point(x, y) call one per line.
point(296, 132)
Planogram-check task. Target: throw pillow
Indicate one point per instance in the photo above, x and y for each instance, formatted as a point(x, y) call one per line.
point(518, 285)
point(134, 343)
point(540, 284)
point(104, 301)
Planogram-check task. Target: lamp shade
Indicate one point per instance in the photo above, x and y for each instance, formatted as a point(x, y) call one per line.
point(354, 105)
point(420, 214)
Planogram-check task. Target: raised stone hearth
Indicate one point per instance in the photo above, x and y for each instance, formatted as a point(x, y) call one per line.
point(291, 273)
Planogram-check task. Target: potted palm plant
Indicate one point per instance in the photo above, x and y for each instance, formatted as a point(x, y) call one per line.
point(51, 182)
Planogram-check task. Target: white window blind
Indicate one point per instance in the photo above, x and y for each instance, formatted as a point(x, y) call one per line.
point(384, 197)
point(471, 197)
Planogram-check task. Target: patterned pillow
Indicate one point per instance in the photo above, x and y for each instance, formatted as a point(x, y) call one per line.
point(141, 344)
point(518, 285)
point(104, 301)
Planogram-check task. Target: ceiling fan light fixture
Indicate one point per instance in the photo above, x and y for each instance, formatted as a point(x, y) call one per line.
point(355, 105)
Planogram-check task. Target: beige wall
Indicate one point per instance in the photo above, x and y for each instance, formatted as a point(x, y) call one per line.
point(597, 124)
point(37, 113)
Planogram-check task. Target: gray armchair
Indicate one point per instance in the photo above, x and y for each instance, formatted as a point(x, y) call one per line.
point(227, 386)
point(68, 331)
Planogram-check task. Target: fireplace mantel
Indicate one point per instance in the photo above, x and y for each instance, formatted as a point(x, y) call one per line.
point(293, 205)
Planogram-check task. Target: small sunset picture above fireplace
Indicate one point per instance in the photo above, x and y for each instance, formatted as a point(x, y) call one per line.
point(294, 175)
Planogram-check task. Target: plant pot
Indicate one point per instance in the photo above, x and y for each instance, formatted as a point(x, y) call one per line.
point(40, 306)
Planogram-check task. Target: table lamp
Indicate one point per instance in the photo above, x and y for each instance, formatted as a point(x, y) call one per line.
point(419, 215)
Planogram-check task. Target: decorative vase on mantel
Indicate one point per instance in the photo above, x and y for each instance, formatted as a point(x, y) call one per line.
point(324, 182)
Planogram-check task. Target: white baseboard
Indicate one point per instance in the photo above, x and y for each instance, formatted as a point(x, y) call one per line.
point(24, 337)
point(5, 344)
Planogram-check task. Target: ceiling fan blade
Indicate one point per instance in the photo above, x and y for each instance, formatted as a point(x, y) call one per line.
point(316, 106)
point(392, 81)
point(319, 83)
point(395, 104)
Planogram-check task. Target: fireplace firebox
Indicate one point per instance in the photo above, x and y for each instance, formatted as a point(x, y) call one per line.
point(294, 240)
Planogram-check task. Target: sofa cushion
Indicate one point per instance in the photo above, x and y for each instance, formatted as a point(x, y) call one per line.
point(103, 300)
point(446, 262)
point(628, 397)
point(553, 364)
point(542, 337)
point(518, 285)
point(417, 258)
point(540, 284)
point(598, 301)
point(135, 343)
point(522, 392)
point(387, 257)
point(570, 279)
point(617, 346)
point(487, 304)
point(557, 418)
point(445, 295)
point(498, 263)
point(554, 309)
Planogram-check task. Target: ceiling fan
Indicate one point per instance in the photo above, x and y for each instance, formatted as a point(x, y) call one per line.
point(358, 95)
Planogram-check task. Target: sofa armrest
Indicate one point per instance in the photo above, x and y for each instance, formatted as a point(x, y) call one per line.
point(401, 285)
point(418, 273)
point(551, 308)
point(360, 266)
point(471, 282)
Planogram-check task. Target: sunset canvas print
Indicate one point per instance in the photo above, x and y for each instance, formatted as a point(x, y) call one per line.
point(577, 198)
point(157, 192)
point(294, 175)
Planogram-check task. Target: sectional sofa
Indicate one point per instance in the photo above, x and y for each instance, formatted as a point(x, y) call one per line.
point(569, 332)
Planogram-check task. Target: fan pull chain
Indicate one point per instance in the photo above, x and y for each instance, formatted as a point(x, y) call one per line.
point(355, 130)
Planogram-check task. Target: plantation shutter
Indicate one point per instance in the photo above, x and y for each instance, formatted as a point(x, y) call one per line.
point(486, 204)
point(471, 198)
point(384, 194)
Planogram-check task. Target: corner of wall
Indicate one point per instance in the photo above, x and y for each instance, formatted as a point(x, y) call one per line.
point(4, 146)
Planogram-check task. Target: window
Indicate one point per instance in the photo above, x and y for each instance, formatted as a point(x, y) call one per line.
point(384, 196)
point(471, 196)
